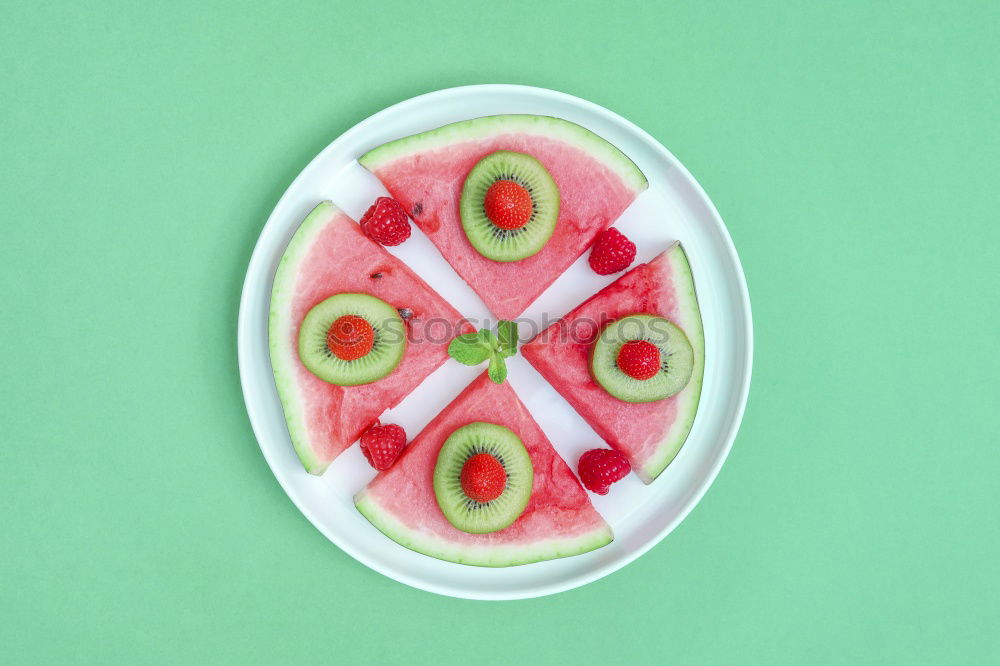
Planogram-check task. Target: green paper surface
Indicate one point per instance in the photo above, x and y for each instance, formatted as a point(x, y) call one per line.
point(851, 147)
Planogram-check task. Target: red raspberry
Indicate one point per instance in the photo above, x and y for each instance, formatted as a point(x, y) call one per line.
point(599, 468)
point(612, 252)
point(639, 359)
point(483, 478)
point(350, 337)
point(382, 444)
point(385, 222)
point(508, 204)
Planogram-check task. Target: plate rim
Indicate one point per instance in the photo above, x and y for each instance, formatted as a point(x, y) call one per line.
point(700, 487)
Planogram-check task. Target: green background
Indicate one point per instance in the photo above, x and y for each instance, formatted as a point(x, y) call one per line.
point(852, 148)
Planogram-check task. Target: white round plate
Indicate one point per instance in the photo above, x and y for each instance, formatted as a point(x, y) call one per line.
point(674, 207)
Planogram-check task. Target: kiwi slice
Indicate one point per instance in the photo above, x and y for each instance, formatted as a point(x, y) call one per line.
point(387, 348)
point(495, 242)
point(464, 512)
point(676, 358)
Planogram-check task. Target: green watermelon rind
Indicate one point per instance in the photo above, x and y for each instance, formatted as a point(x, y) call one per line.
point(282, 350)
point(489, 126)
point(687, 408)
point(480, 556)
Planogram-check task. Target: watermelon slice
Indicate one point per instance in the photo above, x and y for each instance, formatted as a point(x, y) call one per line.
point(329, 254)
point(649, 434)
point(558, 521)
point(425, 173)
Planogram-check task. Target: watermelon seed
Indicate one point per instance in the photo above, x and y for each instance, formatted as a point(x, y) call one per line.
point(375, 276)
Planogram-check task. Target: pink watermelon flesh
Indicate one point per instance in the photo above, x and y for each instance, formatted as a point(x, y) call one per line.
point(649, 434)
point(329, 254)
point(558, 521)
point(425, 173)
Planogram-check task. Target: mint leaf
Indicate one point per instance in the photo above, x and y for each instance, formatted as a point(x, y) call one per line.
point(487, 338)
point(507, 333)
point(497, 369)
point(474, 348)
point(469, 349)
point(471, 339)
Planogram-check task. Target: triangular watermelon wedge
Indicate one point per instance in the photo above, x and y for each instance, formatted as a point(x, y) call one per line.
point(329, 254)
point(425, 173)
point(649, 434)
point(558, 521)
